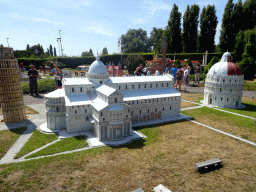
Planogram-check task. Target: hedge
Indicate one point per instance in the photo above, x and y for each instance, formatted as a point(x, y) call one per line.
point(73, 62)
point(43, 85)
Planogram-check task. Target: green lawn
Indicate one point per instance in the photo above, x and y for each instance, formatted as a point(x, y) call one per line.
point(249, 110)
point(36, 141)
point(237, 125)
point(8, 138)
point(68, 144)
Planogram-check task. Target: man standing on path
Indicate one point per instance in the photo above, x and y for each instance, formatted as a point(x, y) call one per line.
point(174, 71)
point(32, 73)
point(197, 73)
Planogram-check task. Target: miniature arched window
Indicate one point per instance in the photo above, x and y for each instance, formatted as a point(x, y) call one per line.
point(139, 86)
point(233, 99)
point(87, 118)
point(132, 86)
point(217, 80)
point(215, 98)
point(220, 90)
point(119, 87)
point(167, 84)
point(75, 112)
point(223, 80)
point(153, 100)
point(132, 113)
point(230, 90)
point(145, 101)
point(170, 107)
point(221, 98)
point(175, 98)
point(150, 85)
point(156, 100)
point(163, 108)
point(85, 110)
point(155, 109)
point(162, 84)
point(57, 109)
point(100, 82)
point(148, 110)
point(73, 90)
point(132, 102)
point(140, 111)
point(229, 80)
point(137, 102)
point(81, 89)
point(115, 100)
point(235, 81)
point(125, 86)
point(227, 99)
point(145, 85)
point(149, 100)
point(100, 113)
point(128, 110)
point(156, 84)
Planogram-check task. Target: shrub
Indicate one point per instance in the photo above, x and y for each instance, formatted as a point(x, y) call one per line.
point(177, 62)
point(210, 64)
point(43, 85)
point(133, 61)
point(202, 77)
point(247, 66)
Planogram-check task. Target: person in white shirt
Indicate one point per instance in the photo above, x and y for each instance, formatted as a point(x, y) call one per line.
point(157, 72)
point(186, 76)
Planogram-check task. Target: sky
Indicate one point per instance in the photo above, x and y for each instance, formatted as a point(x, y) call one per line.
point(86, 24)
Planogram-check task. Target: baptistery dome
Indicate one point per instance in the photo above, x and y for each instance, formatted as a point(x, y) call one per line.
point(97, 72)
point(224, 84)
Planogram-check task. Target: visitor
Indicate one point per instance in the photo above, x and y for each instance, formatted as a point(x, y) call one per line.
point(32, 73)
point(183, 70)
point(138, 71)
point(57, 75)
point(167, 70)
point(197, 73)
point(186, 76)
point(157, 72)
point(149, 71)
point(178, 78)
point(43, 68)
point(174, 71)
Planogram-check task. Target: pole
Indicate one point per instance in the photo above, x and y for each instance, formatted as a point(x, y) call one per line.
point(58, 45)
point(206, 54)
point(121, 51)
point(7, 41)
point(61, 44)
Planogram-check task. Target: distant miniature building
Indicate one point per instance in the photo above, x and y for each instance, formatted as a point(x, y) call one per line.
point(110, 106)
point(224, 84)
point(11, 94)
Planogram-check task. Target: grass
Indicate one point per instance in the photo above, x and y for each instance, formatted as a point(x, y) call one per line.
point(167, 156)
point(194, 97)
point(241, 126)
point(68, 144)
point(250, 107)
point(27, 109)
point(185, 104)
point(36, 141)
point(249, 85)
point(8, 138)
point(43, 85)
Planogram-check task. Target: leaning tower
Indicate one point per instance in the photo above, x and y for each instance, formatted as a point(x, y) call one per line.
point(11, 96)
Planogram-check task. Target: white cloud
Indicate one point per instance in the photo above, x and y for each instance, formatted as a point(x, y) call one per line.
point(99, 29)
point(34, 19)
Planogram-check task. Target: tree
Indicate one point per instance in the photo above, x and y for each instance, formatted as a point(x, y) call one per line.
point(210, 64)
point(27, 47)
point(226, 33)
point(105, 51)
point(247, 65)
point(188, 62)
point(190, 31)
point(208, 24)
point(249, 12)
point(132, 61)
point(86, 53)
point(250, 43)
point(177, 62)
point(156, 38)
point(50, 50)
point(54, 51)
point(135, 41)
point(1, 45)
point(91, 51)
point(237, 18)
point(37, 49)
point(173, 31)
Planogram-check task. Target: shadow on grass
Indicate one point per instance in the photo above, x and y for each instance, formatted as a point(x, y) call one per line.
point(248, 107)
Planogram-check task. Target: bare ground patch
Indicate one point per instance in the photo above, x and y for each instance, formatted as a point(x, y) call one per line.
point(185, 104)
point(27, 109)
point(170, 161)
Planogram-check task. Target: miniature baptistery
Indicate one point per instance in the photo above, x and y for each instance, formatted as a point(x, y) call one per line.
point(224, 84)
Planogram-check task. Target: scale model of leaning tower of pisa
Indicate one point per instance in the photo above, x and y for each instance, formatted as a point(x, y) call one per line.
point(11, 95)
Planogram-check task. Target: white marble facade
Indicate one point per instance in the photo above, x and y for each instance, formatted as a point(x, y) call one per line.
point(224, 84)
point(109, 106)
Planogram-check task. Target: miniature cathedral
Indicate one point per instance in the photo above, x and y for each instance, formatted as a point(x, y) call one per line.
point(110, 106)
point(224, 84)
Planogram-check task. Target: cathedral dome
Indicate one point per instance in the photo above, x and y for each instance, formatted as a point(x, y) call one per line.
point(97, 67)
point(225, 67)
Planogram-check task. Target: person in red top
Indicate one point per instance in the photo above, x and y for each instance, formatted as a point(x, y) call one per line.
point(178, 78)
